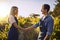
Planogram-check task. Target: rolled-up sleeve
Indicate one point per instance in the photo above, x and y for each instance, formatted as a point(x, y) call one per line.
point(36, 25)
point(50, 27)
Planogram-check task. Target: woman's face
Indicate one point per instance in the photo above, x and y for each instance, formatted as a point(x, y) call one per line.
point(15, 11)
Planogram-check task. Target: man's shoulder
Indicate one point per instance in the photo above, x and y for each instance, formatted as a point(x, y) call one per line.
point(50, 17)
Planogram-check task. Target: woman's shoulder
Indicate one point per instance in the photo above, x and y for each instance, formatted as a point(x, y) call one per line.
point(11, 16)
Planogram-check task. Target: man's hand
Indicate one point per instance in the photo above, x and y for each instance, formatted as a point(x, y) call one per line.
point(47, 37)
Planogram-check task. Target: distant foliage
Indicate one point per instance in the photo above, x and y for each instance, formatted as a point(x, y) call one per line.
point(32, 34)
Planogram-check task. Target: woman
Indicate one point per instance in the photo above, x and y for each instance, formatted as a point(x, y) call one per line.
point(13, 32)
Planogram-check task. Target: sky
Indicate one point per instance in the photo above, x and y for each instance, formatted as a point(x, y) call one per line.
point(25, 7)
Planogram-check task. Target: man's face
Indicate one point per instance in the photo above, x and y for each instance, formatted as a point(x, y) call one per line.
point(43, 10)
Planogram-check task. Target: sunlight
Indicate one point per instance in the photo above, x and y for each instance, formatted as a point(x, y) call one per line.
point(4, 11)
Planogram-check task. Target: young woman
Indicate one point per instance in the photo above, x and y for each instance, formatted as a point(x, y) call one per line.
point(13, 32)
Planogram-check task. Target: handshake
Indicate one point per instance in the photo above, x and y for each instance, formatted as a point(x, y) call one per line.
point(26, 29)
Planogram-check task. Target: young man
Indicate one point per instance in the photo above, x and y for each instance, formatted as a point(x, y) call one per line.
point(46, 24)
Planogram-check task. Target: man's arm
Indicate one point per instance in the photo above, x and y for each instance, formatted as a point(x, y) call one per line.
point(34, 26)
point(49, 29)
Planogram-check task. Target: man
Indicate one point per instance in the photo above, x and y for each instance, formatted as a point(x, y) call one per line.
point(46, 24)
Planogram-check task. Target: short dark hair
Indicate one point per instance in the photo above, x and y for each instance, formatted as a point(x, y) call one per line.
point(46, 6)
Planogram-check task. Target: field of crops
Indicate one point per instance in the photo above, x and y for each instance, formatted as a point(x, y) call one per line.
point(32, 34)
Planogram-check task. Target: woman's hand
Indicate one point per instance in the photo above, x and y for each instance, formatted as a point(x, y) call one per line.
point(26, 29)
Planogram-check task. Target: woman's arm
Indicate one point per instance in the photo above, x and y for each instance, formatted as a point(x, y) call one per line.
point(17, 26)
point(12, 21)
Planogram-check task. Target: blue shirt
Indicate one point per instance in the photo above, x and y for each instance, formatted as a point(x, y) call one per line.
point(46, 25)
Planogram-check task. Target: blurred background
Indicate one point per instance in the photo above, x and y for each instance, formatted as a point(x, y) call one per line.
point(29, 14)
